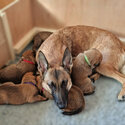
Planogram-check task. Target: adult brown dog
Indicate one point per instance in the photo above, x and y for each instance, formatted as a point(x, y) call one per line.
point(14, 73)
point(26, 92)
point(84, 65)
point(55, 61)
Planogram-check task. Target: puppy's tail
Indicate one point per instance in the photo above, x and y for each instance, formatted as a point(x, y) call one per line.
point(73, 112)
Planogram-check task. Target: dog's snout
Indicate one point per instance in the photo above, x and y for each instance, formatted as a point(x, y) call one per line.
point(61, 105)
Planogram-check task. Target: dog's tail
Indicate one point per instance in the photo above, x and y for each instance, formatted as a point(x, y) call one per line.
point(73, 112)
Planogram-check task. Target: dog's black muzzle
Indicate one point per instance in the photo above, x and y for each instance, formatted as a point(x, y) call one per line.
point(61, 98)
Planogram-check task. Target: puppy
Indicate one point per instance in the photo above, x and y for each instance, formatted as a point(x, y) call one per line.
point(83, 67)
point(26, 92)
point(76, 102)
point(14, 73)
point(39, 38)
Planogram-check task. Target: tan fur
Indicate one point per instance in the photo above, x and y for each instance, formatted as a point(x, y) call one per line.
point(81, 70)
point(50, 76)
point(81, 38)
point(14, 73)
point(21, 93)
point(39, 38)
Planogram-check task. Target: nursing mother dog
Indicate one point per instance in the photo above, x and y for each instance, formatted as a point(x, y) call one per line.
point(55, 61)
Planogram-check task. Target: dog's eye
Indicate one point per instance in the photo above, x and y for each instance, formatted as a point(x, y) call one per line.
point(64, 83)
point(52, 85)
point(96, 65)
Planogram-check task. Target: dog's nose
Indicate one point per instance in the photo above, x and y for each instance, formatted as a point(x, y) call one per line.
point(61, 105)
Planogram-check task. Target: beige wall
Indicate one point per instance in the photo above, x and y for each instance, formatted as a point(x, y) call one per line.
point(20, 19)
point(4, 50)
point(107, 14)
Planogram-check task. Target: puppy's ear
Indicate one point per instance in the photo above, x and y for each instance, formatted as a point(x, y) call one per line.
point(42, 63)
point(67, 60)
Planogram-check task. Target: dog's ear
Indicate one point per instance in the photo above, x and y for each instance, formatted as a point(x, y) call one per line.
point(67, 60)
point(42, 63)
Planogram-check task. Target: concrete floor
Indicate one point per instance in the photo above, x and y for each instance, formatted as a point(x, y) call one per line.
point(102, 108)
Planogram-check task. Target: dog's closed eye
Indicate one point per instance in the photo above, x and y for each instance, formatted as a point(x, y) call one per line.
point(52, 85)
point(96, 65)
point(64, 83)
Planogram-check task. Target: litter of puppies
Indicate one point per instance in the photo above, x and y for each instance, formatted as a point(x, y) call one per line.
point(55, 71)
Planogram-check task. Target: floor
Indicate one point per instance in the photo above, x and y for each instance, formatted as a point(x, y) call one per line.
point(102, 108)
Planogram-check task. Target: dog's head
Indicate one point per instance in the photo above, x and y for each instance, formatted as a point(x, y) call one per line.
point(30, 55)
point(94, 56)
point(56, 80)
point(29, 77)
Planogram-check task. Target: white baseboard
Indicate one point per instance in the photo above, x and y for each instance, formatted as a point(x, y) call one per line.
point(27, 38)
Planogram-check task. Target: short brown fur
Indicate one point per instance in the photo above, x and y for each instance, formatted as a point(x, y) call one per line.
point(21, 93)
point(76, 102)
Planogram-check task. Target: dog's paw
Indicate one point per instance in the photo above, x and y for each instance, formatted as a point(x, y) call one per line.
point(89, 90)
point(121, 96)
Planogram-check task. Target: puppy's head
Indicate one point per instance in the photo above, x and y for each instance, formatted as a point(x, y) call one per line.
point(56, 80)
point(30, 55)
point(29, 77)
point(94, 56)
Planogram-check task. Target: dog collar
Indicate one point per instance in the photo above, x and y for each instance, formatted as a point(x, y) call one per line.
point(87, 61)
point(30, 83)
point(42, 89)
point(28, 61)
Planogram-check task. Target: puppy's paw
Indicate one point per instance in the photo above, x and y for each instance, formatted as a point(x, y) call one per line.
point(89, 89)
point(44, 98)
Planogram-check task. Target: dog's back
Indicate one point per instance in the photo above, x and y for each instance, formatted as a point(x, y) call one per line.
point(11, 94)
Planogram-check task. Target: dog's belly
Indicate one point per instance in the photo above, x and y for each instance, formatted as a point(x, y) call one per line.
point(79, 39)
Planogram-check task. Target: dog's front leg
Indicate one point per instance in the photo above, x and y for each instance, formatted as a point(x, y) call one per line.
point(94, 77)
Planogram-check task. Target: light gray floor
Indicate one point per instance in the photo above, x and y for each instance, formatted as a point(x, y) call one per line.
point(102, 108)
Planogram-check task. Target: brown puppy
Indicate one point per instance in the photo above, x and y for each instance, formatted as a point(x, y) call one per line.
point(39, 38)
point(79, 39)
point(26, 92)
point(75, 103)
point(83, 66)
point(14, 73)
